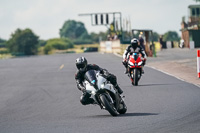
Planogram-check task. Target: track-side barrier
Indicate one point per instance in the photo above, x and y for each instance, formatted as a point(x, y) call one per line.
point(198, 63)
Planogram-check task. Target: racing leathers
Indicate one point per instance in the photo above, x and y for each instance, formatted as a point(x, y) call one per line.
point(79, 77)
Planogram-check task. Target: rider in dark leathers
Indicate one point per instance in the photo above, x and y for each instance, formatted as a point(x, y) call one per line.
point(83, 67)
point(134, 47)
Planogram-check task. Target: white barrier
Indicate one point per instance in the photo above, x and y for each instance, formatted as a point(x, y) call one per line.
point(169, 44)
point(198, 63)
point(191, 44)
point(110, 46)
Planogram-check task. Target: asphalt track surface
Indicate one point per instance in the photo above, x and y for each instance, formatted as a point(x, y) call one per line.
point(38, 94)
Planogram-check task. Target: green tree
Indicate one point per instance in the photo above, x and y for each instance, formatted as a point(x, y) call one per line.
point(94, 37)
point(42, 43)
point(197, 0)
point(73, 30)
point(155, 36)
point(23, 42)
point(57, 43)
point(48, 49)
point(2, 43)
point(2, 40)
point(171, 36)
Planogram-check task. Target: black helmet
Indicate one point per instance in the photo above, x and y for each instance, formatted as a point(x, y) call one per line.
point(134, 42)
point(81, 63)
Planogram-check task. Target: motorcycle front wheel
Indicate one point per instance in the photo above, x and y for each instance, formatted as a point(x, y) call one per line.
point(108, 105)
point(135, 74)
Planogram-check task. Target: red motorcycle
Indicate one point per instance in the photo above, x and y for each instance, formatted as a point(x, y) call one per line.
point(135, 63)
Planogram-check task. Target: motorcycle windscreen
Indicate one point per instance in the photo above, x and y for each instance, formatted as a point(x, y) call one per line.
point(135, 56)
point(90, 76)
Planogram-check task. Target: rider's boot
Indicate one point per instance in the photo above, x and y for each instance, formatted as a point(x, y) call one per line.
point(126, 71)
point(91, 101)
point(142, 70)
point(119, 89)
point(85, 99)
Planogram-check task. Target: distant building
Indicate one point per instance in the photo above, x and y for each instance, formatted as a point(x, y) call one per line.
point(191, 29)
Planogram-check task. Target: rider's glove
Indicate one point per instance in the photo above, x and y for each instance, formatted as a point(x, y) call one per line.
point(83, 90)
point(81, 87)
point(103, 71)
point(124, 61)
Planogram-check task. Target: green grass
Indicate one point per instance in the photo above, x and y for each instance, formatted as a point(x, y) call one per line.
point(5, 56)
point(4, 53)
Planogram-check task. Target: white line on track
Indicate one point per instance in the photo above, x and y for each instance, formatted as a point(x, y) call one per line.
point(61, 67)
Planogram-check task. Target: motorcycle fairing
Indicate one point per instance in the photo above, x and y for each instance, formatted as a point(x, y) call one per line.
point(134, 61)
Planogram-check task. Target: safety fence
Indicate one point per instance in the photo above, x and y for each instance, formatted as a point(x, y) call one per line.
point(198, 63)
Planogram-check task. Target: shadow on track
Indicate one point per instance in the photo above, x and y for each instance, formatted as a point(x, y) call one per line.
point(123, 115)
point(148, 85)
point(153, 84)
point(137, 114)
point(158, 84)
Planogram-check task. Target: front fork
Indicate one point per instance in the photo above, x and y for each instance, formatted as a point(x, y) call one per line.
point(116, 100)
point(131, 72)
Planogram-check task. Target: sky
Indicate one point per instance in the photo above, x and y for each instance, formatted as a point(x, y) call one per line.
point(46, 17)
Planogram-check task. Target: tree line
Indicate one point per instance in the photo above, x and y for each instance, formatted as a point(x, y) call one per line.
point(26, 42)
